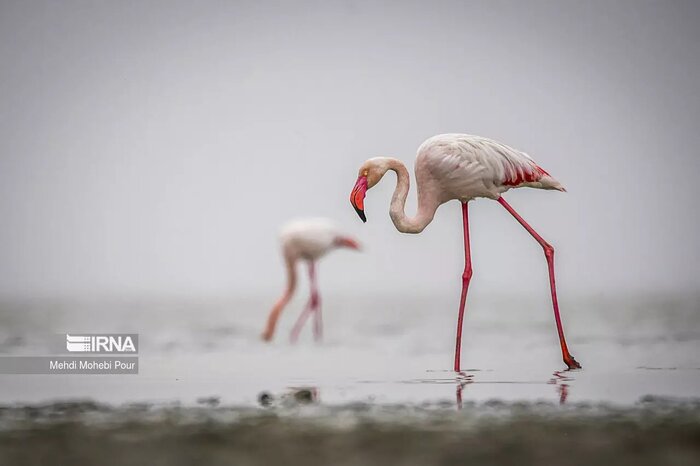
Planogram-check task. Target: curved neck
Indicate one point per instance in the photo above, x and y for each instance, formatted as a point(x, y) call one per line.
point(426, 204)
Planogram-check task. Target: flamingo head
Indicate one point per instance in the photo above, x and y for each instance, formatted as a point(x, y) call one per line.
point(370, 173)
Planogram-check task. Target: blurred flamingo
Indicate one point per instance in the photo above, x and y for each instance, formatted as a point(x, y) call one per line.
point(462, 167)
point(306, 240)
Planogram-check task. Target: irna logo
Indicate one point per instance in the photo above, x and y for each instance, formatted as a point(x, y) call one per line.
point(100, 343)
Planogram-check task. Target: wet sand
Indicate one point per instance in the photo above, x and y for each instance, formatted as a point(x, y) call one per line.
point(654, 431)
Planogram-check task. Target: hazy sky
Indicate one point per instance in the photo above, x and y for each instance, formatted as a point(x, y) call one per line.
point(156, 147)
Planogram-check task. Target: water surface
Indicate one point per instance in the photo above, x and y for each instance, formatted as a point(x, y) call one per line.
point(378, 388)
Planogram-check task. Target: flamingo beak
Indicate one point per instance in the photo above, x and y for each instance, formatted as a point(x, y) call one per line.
point(346, 242)
point(357, 197)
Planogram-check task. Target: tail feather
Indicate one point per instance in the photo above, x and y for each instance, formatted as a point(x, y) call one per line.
point(549, 182)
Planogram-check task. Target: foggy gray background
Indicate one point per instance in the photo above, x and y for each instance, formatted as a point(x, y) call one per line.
point(156, 147)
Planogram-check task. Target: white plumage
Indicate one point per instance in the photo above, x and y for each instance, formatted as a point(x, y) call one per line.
point(467, 167)
point(307, 240)
point(461, 167)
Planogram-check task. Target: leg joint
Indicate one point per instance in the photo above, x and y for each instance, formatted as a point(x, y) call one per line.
point(548, 250)
point(467, 275)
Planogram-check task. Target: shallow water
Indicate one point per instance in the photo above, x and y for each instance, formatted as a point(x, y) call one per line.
point(380, 383)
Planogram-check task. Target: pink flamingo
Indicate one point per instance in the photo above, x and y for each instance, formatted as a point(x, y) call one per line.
point(462, 167)
point(307, 240)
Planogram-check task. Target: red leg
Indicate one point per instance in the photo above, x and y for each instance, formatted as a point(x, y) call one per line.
point(549, 255)
point(466, 278)
point(318, 323)
point(294, 335)
point(311, 307)
point(315, 303)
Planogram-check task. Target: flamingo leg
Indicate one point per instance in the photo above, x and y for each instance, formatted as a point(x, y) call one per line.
point(313, 306)
point(294, 335)
point(549, 255)
point(315, 303)
point(466, 278)
point(318, 322)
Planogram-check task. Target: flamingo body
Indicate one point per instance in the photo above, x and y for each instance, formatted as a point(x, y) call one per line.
point(309, 239)
point(462, 167)
point(306, 240)
point(465, 167)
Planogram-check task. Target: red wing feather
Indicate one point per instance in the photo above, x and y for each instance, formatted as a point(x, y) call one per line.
point(525, 176)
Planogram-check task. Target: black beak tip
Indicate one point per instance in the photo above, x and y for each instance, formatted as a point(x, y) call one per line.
point(361, 213)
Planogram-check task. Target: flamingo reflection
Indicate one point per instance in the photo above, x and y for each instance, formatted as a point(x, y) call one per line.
point(559, 380)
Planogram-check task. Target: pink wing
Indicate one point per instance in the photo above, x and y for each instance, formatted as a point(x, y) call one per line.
point(468, 162)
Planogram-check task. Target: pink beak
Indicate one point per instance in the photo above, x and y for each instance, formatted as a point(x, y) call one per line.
point(346, 242)
point(357, 197)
